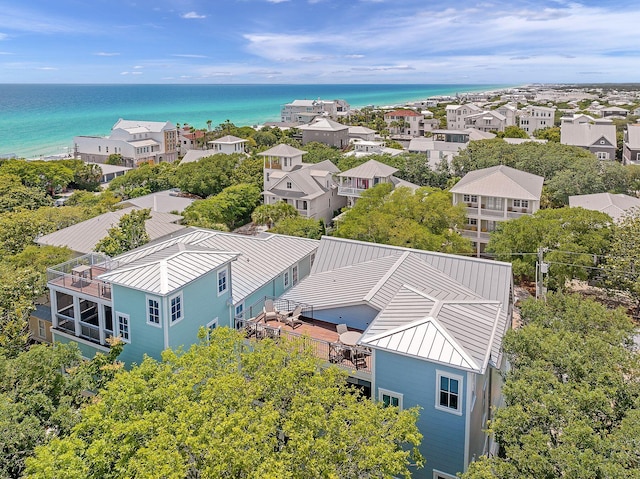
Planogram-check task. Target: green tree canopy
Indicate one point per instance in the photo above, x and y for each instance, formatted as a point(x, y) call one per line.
point(207, 176)
point(130, 233)
point(570, 236)
point(19, 229)
point(317, 152)
point(551, 134)
point(14, 195)
point(621, 268)
point(270, 214)
point(571, 395)
point(50, 176)
point(144, 180)
point(86, 176)
point(232, 207)
point(226, 409)
point(424, 219)
point(41, 393)
point(299, 226)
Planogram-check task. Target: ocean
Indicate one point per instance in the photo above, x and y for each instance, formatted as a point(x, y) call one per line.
point(38, 120)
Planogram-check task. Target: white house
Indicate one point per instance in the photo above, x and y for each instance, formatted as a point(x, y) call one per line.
point(615, 206)
point(304, 111)
point(137, 141)
point(535, 117)
point(309, 187)
point(365, 148)
point(325, 131)
point(492, 195)
point(228, 145)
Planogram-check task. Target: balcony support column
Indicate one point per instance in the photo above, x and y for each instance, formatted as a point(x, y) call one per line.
point(54, 308)
point(77, 315)
point(101, 323)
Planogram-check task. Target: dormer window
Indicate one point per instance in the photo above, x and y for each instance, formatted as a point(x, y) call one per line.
point(289, 185)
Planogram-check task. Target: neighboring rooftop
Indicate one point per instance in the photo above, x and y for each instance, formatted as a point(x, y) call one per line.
point(616, 206)
point(166, 201)
point(370, 169)
point(501, 181)
point(83, 237)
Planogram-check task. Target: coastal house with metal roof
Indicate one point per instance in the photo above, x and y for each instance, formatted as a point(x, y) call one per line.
point(308, 187)
point(430, 327)
point(355, 181)
point(456, 115)
point(160, 295)
point(492, 195)
point(597, 135)
point(327, 132)
point(411, 327)
point(138, 142)
point(228, 145)
point(304, 111)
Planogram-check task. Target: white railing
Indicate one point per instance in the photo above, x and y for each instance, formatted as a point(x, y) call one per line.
point(349, 191)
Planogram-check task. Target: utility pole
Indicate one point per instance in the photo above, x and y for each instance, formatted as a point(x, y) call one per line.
point(542, 268)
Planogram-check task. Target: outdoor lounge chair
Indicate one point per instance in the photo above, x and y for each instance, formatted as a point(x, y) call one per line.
point(270, 312)
point(293, 319)
point(336, 353)
point(342, 328)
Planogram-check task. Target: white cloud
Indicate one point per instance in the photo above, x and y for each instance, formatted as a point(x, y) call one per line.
point(47, 68)
point(277, 1)
point(3, 36)
point(107, 54)
point(192, 15)
point(138, 67)
point(188, 55)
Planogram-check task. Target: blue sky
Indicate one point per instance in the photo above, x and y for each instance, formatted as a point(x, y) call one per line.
point(319, 41)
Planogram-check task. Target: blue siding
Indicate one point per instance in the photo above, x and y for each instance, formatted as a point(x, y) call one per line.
point(145, 338)
point(444, 432)
point(356, 317)
point(86, 350)
point(201, 304)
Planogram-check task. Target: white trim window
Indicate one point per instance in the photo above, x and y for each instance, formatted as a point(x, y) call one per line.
point(222, 281)
point(294, 275)
point(153, 311)
point(285, 279)
point(239, 310)
point(521, 203)
point(42, 328)
point(390, 398)
point(175, 308)
point(449, 392)
point(123, 325)
point(211, 325)
point(470, 198)
point(602, 155)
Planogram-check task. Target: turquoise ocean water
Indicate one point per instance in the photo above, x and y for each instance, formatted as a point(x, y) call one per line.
point(40, 120)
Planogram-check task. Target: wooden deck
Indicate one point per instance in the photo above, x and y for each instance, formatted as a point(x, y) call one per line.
point(85, 284)
point(326, 340)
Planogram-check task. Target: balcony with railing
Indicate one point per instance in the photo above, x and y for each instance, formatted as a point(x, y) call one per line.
point(350, 191)
point(78, 275)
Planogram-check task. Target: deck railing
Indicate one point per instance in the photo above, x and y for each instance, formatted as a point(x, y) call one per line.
point(66, 275)
point(349, 357)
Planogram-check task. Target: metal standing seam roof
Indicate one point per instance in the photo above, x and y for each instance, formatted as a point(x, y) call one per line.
point(586, 134)
point(83, 237)
point(282, 150)
point(501, 181)
point(228, 139)
point(489, 280)
point(152, 126)
point(455, 333)
point(261, 258)
point(165, 275)
point(196, 155)
point(324, 124)
point(161, 201)
point(370, 169)
point(633, 136)
point(139, 143)
point(614, 205)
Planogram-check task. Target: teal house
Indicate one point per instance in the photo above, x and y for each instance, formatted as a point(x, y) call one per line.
point(160, 295)
point(412, 328)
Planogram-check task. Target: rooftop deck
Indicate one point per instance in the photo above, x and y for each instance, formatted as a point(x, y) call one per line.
point(322, 337)
point(78, 275)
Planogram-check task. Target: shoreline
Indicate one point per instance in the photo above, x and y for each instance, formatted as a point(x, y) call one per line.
point(61, 150)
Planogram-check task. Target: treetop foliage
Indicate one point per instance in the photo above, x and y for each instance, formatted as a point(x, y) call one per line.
point(571, 395)
point(227, 409)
